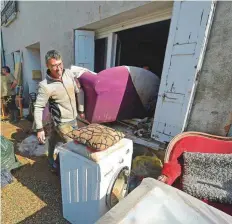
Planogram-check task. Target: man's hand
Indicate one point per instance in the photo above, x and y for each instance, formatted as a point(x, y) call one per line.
point(14, 84)
point(41, 136)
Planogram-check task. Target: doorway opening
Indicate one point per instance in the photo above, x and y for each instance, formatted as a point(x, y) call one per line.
point(31, 71)
point(143, 46)
point(100, 54)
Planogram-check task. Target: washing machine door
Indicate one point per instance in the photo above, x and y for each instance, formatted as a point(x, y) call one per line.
point(118, 188)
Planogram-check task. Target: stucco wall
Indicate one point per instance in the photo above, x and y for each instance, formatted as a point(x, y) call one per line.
point(39, 22)
point(52, 24)
point(213, 100)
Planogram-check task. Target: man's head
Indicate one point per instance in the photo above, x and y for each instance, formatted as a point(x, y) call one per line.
point(146, 67)
point(5, 70)
point(54, 63)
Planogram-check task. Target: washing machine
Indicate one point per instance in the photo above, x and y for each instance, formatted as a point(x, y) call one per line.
point(93, 182)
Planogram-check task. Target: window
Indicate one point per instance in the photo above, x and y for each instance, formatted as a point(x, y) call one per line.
point(8, 13)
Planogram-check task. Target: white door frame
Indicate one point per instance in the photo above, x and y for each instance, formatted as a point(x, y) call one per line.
point(174, 106)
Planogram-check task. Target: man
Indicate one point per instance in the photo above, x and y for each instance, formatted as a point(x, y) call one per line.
point(58, 89)
point(8, 84)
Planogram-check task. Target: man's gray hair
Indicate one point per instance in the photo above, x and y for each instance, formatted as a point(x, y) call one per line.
point(52, 54)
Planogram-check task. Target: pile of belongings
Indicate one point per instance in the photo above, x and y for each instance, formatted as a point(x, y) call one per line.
point(95, 139)
point(144, 166)
point(8, 161)
point(96, 136)
point(30, 146)
point(140, 127)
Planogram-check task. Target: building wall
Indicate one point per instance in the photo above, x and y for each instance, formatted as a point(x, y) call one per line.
point(52, 24)
point(213, 101)
point(39, 22)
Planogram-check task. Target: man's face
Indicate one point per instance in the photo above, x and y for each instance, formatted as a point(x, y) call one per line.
point(55, 67)
point(4, 71)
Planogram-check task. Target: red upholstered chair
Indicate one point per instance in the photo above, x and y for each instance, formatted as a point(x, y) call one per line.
point(193, 142)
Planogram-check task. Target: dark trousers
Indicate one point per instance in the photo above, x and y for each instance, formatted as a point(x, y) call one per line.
point(11, 107)
point(10, 102)
point(58, 134)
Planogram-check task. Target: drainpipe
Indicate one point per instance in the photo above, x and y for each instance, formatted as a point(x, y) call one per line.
point(2, 50)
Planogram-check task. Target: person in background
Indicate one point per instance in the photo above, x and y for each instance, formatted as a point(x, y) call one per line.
point(59, 89)
point(146, 67)
point(8, 84)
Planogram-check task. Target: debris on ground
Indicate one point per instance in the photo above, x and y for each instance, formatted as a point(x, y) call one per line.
point(140, 127)
point(6, 177)
point(8, 161)
point(8, 158)
point(146, 166)
point(142, 167)
point(30, 146)
point(34, 196)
